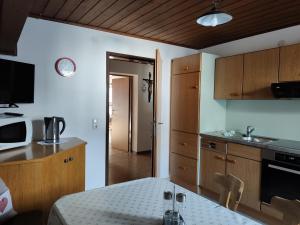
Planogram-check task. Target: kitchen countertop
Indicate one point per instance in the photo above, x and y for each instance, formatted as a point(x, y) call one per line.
point(35, 151)
point(282, 145)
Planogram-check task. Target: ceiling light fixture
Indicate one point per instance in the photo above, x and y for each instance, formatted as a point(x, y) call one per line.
point(214, 17)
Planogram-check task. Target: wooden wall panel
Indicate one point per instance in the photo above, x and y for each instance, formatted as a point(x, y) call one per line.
point(172, 22)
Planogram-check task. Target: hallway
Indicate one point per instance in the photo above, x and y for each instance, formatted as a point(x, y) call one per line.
point(125, 166)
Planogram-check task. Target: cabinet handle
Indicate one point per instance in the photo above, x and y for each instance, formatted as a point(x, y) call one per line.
point(71, 158)
point(66, 160)
point(234, 94)
point(231, 161)
point(212, 145)
point(186, 68)
point(184, 144)
point(182, 167)
point(195, 87)
point(219, 157)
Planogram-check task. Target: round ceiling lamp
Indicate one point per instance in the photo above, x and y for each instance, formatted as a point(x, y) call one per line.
point(214, 17)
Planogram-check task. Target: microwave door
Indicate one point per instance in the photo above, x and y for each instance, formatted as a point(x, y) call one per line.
point(13, 133)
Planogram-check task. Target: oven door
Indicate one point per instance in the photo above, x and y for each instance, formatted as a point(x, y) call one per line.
point(279, 179)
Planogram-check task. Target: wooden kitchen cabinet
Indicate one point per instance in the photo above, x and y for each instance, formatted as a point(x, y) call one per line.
point(183, 169)
point(211, 163)
point(184, 144)
point(64, 174)
point(289, 63)
point(213, 160)
point(185, 100)
point(187, 64)
point(229, 77)
point(22, 175)
point(38, 175)
point(184, 128)
point(248, 171)
point(244, 162)
point(260, 71)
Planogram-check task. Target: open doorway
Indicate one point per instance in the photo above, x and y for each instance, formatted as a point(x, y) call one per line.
point(131, 88)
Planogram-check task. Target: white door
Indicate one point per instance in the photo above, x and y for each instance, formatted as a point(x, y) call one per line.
point(120, 114)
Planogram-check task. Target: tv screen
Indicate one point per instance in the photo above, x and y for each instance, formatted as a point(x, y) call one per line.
point(16, 82)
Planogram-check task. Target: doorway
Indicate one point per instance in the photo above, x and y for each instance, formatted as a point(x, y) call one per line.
point(130, 118)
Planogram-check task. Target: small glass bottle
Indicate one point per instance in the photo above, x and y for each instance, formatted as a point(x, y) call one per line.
point(180, 202)
point(168, 207)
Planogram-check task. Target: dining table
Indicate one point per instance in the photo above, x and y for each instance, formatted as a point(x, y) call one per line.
point(139, 202)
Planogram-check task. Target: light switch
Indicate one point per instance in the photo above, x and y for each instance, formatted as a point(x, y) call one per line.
point(95, 124)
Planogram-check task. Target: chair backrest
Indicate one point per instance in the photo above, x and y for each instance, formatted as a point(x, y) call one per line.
point(231, 190)
point(289, 208)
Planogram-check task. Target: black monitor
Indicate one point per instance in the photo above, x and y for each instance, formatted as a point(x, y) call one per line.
point(16, 82)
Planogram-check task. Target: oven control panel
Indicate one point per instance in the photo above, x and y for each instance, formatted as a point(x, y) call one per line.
point(287, 158)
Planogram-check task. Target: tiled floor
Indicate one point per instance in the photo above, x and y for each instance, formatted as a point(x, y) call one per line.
point(125, 166)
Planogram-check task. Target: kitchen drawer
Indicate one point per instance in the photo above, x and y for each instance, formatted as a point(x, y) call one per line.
point(244, 151)
point(184, 144)
point(187, 64)
point(183, 169)
point(210, 144)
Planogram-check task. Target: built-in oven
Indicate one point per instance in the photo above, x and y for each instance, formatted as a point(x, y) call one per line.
point(280, 175)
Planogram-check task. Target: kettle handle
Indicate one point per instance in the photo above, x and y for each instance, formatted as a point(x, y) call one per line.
point(64, 125)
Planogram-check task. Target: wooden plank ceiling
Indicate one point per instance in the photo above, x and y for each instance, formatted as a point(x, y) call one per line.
point(172, 21)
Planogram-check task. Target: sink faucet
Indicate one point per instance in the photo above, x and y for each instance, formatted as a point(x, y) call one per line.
point(249, 131)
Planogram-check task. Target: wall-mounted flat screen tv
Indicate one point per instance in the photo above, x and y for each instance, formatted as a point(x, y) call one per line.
point(16, 82)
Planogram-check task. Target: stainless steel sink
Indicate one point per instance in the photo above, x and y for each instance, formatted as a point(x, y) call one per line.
point(257, 139)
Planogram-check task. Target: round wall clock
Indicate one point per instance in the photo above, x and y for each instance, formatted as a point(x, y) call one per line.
point(65, 67)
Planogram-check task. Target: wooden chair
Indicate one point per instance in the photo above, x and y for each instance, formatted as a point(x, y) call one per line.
point(289, 208)
point(231, 190)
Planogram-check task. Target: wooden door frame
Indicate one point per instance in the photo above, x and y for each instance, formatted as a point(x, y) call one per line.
point(130, 57)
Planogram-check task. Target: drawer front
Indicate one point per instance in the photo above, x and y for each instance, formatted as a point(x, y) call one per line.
point(183, 169)
point(187, 64)
point(184, 144)
point(244, 151)
point(210, 144)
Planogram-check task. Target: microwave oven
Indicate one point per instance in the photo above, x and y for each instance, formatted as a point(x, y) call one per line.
point(14, 131)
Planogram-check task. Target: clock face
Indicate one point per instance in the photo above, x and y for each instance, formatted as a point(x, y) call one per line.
point(65, 67)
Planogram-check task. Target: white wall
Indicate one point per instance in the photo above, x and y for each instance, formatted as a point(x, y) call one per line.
point(82, 98)
point(272, 118)
point(212, 112)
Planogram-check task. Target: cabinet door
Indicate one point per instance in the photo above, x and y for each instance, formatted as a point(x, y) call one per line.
point(55, 178)
point(30, 186)
point(187, 64)
point(260, 71)
point(229, 77)
point(183, 169)
point(248, 171)
point(185, 102)
point(64, 173)
point(76, 170)
point(211, 163)
point(289, 63)
point(25, 184)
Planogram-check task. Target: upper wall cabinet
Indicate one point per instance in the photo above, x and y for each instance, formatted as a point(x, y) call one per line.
point(229, 77)
point(186, 64)
point(260, 71)
point(289, 63)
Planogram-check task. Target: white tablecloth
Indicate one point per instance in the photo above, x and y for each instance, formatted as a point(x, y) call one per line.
point(137, 202)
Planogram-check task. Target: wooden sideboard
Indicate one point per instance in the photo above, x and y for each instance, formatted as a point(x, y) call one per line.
point(38, 175)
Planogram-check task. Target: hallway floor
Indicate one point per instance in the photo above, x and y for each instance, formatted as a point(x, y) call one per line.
point(124, 166)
